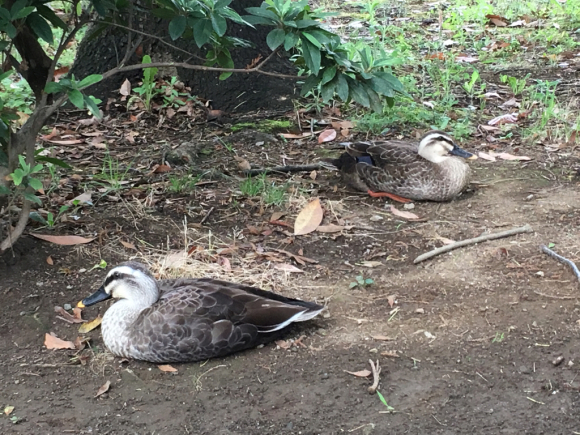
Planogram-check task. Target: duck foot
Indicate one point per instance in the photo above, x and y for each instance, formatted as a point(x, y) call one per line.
point(389, 195)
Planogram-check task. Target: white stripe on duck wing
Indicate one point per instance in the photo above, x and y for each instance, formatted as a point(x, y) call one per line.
point(187, 319)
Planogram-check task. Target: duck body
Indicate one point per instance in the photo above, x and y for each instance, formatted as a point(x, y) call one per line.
point(187, 319)
point(434, 170)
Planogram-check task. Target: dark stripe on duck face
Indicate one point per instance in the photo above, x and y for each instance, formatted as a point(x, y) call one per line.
point(118, 276)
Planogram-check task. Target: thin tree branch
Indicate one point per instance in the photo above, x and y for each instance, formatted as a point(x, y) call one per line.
point(61, 48)
point(287, 168)
point(18, 229)
point(158, 38)
point(562, 260)
point(447, 248)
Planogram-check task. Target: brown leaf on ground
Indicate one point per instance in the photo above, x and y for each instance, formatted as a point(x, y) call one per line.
point(382, 337)
point(167, 368)
point(283, 344)
point(509, 118)
point(243, 164)
point(63, 240)
point(125, 88)
point(403, 214)
point(103, 389)
point(128, 245)
point(327, 136)
point(360, 374)
point(78, 314)
point(496, 20)
point(89, 326)
point(51, 341)
point(331, 228)
point(49, 260)
point(309, 218)
point(66, 316)
point(80, 342)
point(507, 156)
point(295, 136)
point(277, 215)
point(162, 169)
point(287, 268)
point(391, 353)
point(391, 300)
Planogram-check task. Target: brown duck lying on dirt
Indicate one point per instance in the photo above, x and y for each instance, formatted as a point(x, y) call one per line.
point(435, 170)
point(187, 319)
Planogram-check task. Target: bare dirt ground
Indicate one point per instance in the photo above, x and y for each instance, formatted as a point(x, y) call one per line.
point(470, 344)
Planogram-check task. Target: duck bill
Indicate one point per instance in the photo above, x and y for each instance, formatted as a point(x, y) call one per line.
point(460, 152)
point(98, 296)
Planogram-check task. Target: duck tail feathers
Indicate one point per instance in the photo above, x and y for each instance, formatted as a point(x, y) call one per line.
point(301, 316)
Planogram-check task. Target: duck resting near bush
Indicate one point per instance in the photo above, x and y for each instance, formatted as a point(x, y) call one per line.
point(435, 170)
point(187, 319)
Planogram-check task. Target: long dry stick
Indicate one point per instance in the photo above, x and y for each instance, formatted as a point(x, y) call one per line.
point(461, 243)
point(288, 168)
point(561, 259)
point(376, 369)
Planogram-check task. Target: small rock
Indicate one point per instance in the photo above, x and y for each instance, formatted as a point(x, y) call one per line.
point(261, 143)
point(420, 311)
point(376, 218)
point(409, 206)
point(325, 376)
point(570, 363)
point(557, 361)
point(67, 307)
point(540, 273)
point(529, 197)
point(326, 315)
point(374, 350)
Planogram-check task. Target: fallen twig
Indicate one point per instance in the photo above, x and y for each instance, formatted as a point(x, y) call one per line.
point(561, 259)
point(287, 168)
point(461, 243)
point(565, 298)
point(376, 369)
point(207, 215)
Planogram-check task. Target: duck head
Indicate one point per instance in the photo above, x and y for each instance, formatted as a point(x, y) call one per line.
point(131, 281)
point(436, 146)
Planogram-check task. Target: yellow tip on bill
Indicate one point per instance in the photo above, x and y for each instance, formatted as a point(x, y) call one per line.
point(473, 157)
point(80, 305)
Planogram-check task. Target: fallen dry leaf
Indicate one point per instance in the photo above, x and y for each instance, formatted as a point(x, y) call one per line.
point(80, 342)
point(313, 175)
point(283, 344)
point(243, 164)
point(370, 263)
point(486, 156)
point(83, 198)
point(331, 228)
point(103, 389)
point(295, 136)
point(509, 118)
point(78, 314)
point(327, 136)
point(51, 341)
point(287, 268)
point(8, 410)
point(506, 156)
point(125, 88)
point(66, 316)
point(89, 326)
point(128, 245)
point(391, 300)
point(63, 240)
point(360, 374)
point(309, 218)
point(162, 169)
point(167, 368)
point(403, 214)
point(391, 353)
point(382, 337)
point(49, 260)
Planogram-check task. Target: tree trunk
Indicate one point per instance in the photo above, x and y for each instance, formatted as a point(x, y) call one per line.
point(239, 93)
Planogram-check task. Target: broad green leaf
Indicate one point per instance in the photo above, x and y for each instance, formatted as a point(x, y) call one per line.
point(17, 176)
point(32, 198)
point(327, 90)
point(275, 38)
point(49, 14)
point(4, 190)
point(7, 73)
point(342, 87)
point(375, 101)
point(311, 56)
point(10, 30)
point(290, 41)
point(310, 82)
point(23, 13)
point(224, 59)
point(219, 24)
point(381, 86)
point(312, 39)
point(4, 45)
point(358, 93)
point(40, 27)
point(35, 183)
point(222, 4)
point(90, 80)
point(202, 32)
point(302, 24)
point(17, 6)
point(263, 12)
point(76, 97)
point(53, 87)
point(253, 19)
point(99, 7)
point(5, 14)
point(328, 75)
point(92, 105)
point(177, 26)
point(164, 13)
point(35, 216)
point(392, 80)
